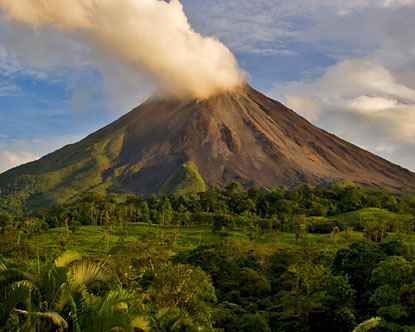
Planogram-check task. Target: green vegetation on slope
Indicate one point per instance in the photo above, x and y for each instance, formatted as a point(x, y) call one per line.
point(60, 176)
point(379, 214)
point(185, 180)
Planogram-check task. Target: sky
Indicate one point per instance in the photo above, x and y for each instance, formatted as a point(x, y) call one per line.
point(347, 67)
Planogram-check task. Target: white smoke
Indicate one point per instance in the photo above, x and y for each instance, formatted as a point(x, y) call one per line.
point(144, 34)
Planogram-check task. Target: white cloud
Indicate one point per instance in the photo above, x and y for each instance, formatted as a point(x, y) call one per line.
point(306, 107)
point(56, 59)
point(11, 159)
point(149, 35)
point(392, 3)
point(7, 89)
point(368, 96)
point(16, 152)
point(246, 26)
point(360, 101)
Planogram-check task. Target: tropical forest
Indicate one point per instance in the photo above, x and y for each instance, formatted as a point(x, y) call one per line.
point(338, 258)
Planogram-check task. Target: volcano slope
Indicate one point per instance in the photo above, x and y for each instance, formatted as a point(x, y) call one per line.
point(239, 136)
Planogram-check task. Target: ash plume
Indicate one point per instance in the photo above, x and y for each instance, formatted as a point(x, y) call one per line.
point(152, 35)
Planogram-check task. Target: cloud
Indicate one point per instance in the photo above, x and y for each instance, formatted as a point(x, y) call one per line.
point(360, 101)
point(368, 95)
point(394, 3)
point(306, 107)
point(16, 152)
point(7, 89)
point(259, 25)
point(149, 35)
point(11, 159)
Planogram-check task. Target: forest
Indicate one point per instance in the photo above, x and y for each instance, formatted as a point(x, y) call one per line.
point(337, 258)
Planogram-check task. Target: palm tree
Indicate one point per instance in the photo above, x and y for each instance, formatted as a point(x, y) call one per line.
point(173, 319)
point(60, 299)
point(19, 305)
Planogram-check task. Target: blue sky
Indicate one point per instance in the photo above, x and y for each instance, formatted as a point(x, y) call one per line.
point(349, 68)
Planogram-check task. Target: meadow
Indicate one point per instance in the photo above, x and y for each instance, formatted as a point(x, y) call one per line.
point(98, 240)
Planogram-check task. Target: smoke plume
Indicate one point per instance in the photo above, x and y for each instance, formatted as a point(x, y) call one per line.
point(152, 35)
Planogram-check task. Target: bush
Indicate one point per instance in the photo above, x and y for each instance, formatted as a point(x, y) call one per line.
point(323, 226)
point(222, 220)
point(74, 226)
point(202, 218)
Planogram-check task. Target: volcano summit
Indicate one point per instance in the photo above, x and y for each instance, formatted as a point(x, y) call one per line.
point(238, 136)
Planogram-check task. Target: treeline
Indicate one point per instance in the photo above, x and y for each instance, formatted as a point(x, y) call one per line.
point(232, 206)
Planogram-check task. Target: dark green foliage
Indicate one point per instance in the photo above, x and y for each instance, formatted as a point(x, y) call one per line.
point(249, 322)
point(395, 292)
point(321, 226)
point(251, 283)
point(183, 287)
point(358, 262)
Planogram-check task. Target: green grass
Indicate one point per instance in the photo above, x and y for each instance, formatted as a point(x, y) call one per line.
point(185, 180)
point(90, 239)
point(356, 217)
point(321, 241)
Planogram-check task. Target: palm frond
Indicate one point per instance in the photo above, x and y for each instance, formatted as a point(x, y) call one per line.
point(14, 294)
point(11, 275)
point(115, 300)
point(52, 283)
point(51, 315)
point(67, 258)
point(171, 319)
point(115, 320)
point(2, 265)
point(367, 324)
point(167, 311)
point(141, 323)
point(84, 273)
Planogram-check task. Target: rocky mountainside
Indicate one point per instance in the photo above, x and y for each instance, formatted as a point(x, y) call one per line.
point(239, 136)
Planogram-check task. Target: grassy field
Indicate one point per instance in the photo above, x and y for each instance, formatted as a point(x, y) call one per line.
point(91, 239)
point(98, 240)
point(358, 215)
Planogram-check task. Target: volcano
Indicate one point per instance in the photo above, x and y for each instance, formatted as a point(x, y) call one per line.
point(238, 136)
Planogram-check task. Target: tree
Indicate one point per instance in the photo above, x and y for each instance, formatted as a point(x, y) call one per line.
point(166, 212)
point(350, 198)
point(186, 288)
point(340, 299)
point(299, 223)
point(373, 228)
point(303, 292)
point(357, 262)
point(395, 294)
point(251, 283)
point(131, 259)
point(143, 212)
point(249, 322)
point(173, 319)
